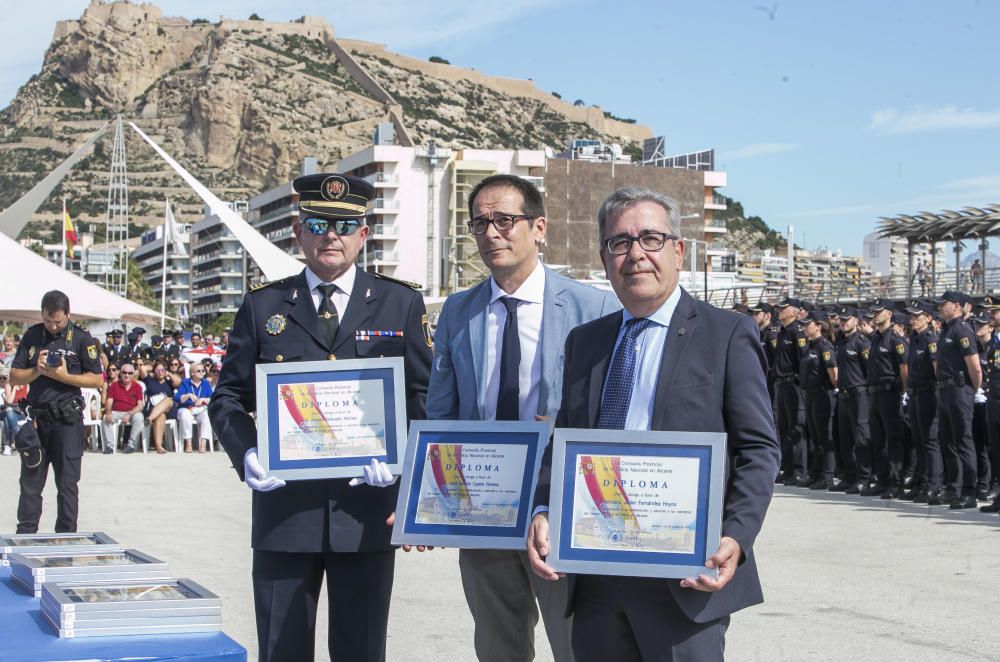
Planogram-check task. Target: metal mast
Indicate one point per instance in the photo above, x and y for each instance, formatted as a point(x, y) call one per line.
point(116, 276)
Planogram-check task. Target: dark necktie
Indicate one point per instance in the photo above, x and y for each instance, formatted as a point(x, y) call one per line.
point(508, 406)
point(621, 378)
point(329, 321)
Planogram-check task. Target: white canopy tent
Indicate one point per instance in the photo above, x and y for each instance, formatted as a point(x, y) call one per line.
point(30, 276)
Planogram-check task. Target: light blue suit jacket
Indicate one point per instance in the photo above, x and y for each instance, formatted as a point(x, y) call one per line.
point(458, 374)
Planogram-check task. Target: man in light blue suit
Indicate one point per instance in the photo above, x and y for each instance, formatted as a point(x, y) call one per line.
point(498, 355)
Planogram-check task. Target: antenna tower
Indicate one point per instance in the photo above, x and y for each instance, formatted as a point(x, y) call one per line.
point(116, 276)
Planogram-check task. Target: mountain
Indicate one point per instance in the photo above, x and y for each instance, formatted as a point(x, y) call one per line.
point(241, 102)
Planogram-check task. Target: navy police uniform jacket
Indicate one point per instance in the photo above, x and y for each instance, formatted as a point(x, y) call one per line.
point(318, 515)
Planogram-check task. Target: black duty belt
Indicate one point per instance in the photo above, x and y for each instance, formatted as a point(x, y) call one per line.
point(956, 382)
point(784, 380)
point(882, 388)
point(851, 391)
point(923, 388)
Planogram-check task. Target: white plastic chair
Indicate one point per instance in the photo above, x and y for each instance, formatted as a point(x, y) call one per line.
point(91, 398)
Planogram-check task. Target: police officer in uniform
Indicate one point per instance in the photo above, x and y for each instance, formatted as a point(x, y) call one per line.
point(921, 404)
point(818, 377)
point(57, 358)
point(306, 529)
point(788, 401)
point(981, 326)
point(116, 352)
point(852, 401)
point(992, 379)
point(887, 380)
point(959, 376)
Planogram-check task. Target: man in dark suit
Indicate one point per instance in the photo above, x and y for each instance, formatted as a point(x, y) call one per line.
point(492, 362)
point(311, 528)
point(667, 362)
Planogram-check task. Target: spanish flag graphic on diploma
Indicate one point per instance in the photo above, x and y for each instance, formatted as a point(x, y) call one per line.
point(446, 465)
point(300, 399)
point(603, 477)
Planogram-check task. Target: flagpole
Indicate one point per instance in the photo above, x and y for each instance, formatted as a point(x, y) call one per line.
point(63, 224)
point(163, 274)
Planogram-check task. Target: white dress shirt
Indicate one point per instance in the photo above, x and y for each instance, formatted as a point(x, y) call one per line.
point(345, 285)
point(649, 354)
point(529, 331)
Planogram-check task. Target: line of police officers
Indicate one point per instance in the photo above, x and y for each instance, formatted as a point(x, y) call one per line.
point(893, 400)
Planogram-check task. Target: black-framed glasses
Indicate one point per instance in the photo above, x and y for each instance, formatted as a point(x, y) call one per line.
point(128, 372)
point(502, 222)
point(651, 242)
point(342, 226)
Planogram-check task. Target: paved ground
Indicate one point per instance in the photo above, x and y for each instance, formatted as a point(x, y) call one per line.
point(845, 578)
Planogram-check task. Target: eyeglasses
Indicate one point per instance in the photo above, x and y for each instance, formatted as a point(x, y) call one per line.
point(128, 372)
point(502, 222)
point(112, 369)
point(651, 242)
point(342, 226)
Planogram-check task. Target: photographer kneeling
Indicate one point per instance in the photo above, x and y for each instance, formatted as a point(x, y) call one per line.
point(57, 358)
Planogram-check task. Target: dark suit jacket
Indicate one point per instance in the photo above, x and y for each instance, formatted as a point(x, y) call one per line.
point(711, 380)
point(318, 515)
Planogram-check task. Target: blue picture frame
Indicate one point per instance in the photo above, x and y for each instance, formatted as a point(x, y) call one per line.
point(384, 375)
point(605, 544)
point(423, 514)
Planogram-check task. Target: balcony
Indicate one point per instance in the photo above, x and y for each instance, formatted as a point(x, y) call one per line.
point(382, 180)
point(383, 231)
point(717, 202)
point(385, 257)
point(716, 226)
point(286, 210)
point(539, 182)
point(383, 206)
point(278, 235)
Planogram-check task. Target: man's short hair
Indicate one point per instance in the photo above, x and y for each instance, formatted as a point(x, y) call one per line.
point(53, 301)
point(533, 205)
point(615, 204)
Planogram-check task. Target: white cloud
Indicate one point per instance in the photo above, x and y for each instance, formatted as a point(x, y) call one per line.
point(919, 119)
point(757, 149)
point(982, 186)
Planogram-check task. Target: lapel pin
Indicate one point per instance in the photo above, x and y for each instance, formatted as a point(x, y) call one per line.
point(295, 295)
point(681, 331)
point(368, 293)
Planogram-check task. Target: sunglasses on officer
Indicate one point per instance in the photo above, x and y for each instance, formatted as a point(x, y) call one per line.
point(342, 226)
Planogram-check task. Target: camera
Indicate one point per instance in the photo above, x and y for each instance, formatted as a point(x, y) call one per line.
point(53, 359)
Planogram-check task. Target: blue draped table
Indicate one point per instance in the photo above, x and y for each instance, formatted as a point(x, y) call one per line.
point(25, 636)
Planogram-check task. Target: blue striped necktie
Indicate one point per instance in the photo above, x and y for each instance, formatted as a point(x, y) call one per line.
point(621, 378)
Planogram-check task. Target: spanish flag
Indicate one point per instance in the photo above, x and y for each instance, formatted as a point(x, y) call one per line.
point(69, 233)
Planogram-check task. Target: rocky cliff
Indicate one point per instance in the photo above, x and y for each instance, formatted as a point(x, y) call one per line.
point(240, 103)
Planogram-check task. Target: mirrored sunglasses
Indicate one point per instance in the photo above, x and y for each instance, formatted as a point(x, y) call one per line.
point(342, 226)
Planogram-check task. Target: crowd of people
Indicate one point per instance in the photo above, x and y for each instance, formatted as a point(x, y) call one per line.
point(144, 386)
point(894, 400)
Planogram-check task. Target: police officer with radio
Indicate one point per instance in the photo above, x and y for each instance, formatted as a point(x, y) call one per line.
point(57, 358)
point(888, 373)
point(959, 376)
point(922, 404)
point(789, 403)
point(852, 396)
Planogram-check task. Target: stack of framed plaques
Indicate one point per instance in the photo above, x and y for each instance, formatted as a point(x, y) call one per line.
point(30, 571)
point(94, 609)
point(51, 543)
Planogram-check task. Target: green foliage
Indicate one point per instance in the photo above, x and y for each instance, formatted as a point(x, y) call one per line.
point(138, 290)
point(579, 102)
point(255, 17)
point(626, 120)
point(737, 221)
point(438, 60)
point(219, 324)
point(557, 95)
point(200, 21)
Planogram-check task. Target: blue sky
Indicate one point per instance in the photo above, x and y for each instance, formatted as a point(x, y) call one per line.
point(826, 115)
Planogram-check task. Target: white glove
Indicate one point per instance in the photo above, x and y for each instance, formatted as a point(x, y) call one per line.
point(906, 398)
point(377, 474)
point(254, 473)
point(980, 397)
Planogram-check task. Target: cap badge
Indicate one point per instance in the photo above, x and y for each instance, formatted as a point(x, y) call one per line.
point(31, 353)
point(333, 188)
point(275, 324)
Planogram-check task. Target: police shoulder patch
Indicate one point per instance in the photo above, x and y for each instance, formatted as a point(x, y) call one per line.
point(865, 353)
point(964, 342)
point(932, 347)
point(774, 342)
point(900, 348)
point(802, 342)
point(826, 356)
point(92, 352)
point(412, 286)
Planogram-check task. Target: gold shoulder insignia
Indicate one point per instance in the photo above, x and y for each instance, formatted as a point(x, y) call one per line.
point(865, 354)
point(964, 342)
point(900, 348)
point(826, 356)
point(802, 342)
point(428, 335)
point(932, 347)
point(259, 286)
point(412, 286)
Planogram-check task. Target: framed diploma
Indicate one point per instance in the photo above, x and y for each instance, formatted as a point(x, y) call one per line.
point(636, 503)
point(469, 483)
point(328, 419)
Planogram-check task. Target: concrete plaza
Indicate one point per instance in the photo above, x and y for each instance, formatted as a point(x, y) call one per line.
point(845, 578)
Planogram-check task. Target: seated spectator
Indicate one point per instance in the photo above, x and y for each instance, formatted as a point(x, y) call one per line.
point(110, 377)
point(160, 404)
point(213, 374)
point(175, 369)
point(192, 398)
point(125, 405)
point(13, 415)
point(10, 343)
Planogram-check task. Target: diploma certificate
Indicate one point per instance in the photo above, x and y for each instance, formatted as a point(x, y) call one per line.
point(329, 419)
point(469, 483)
point(635, 503)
